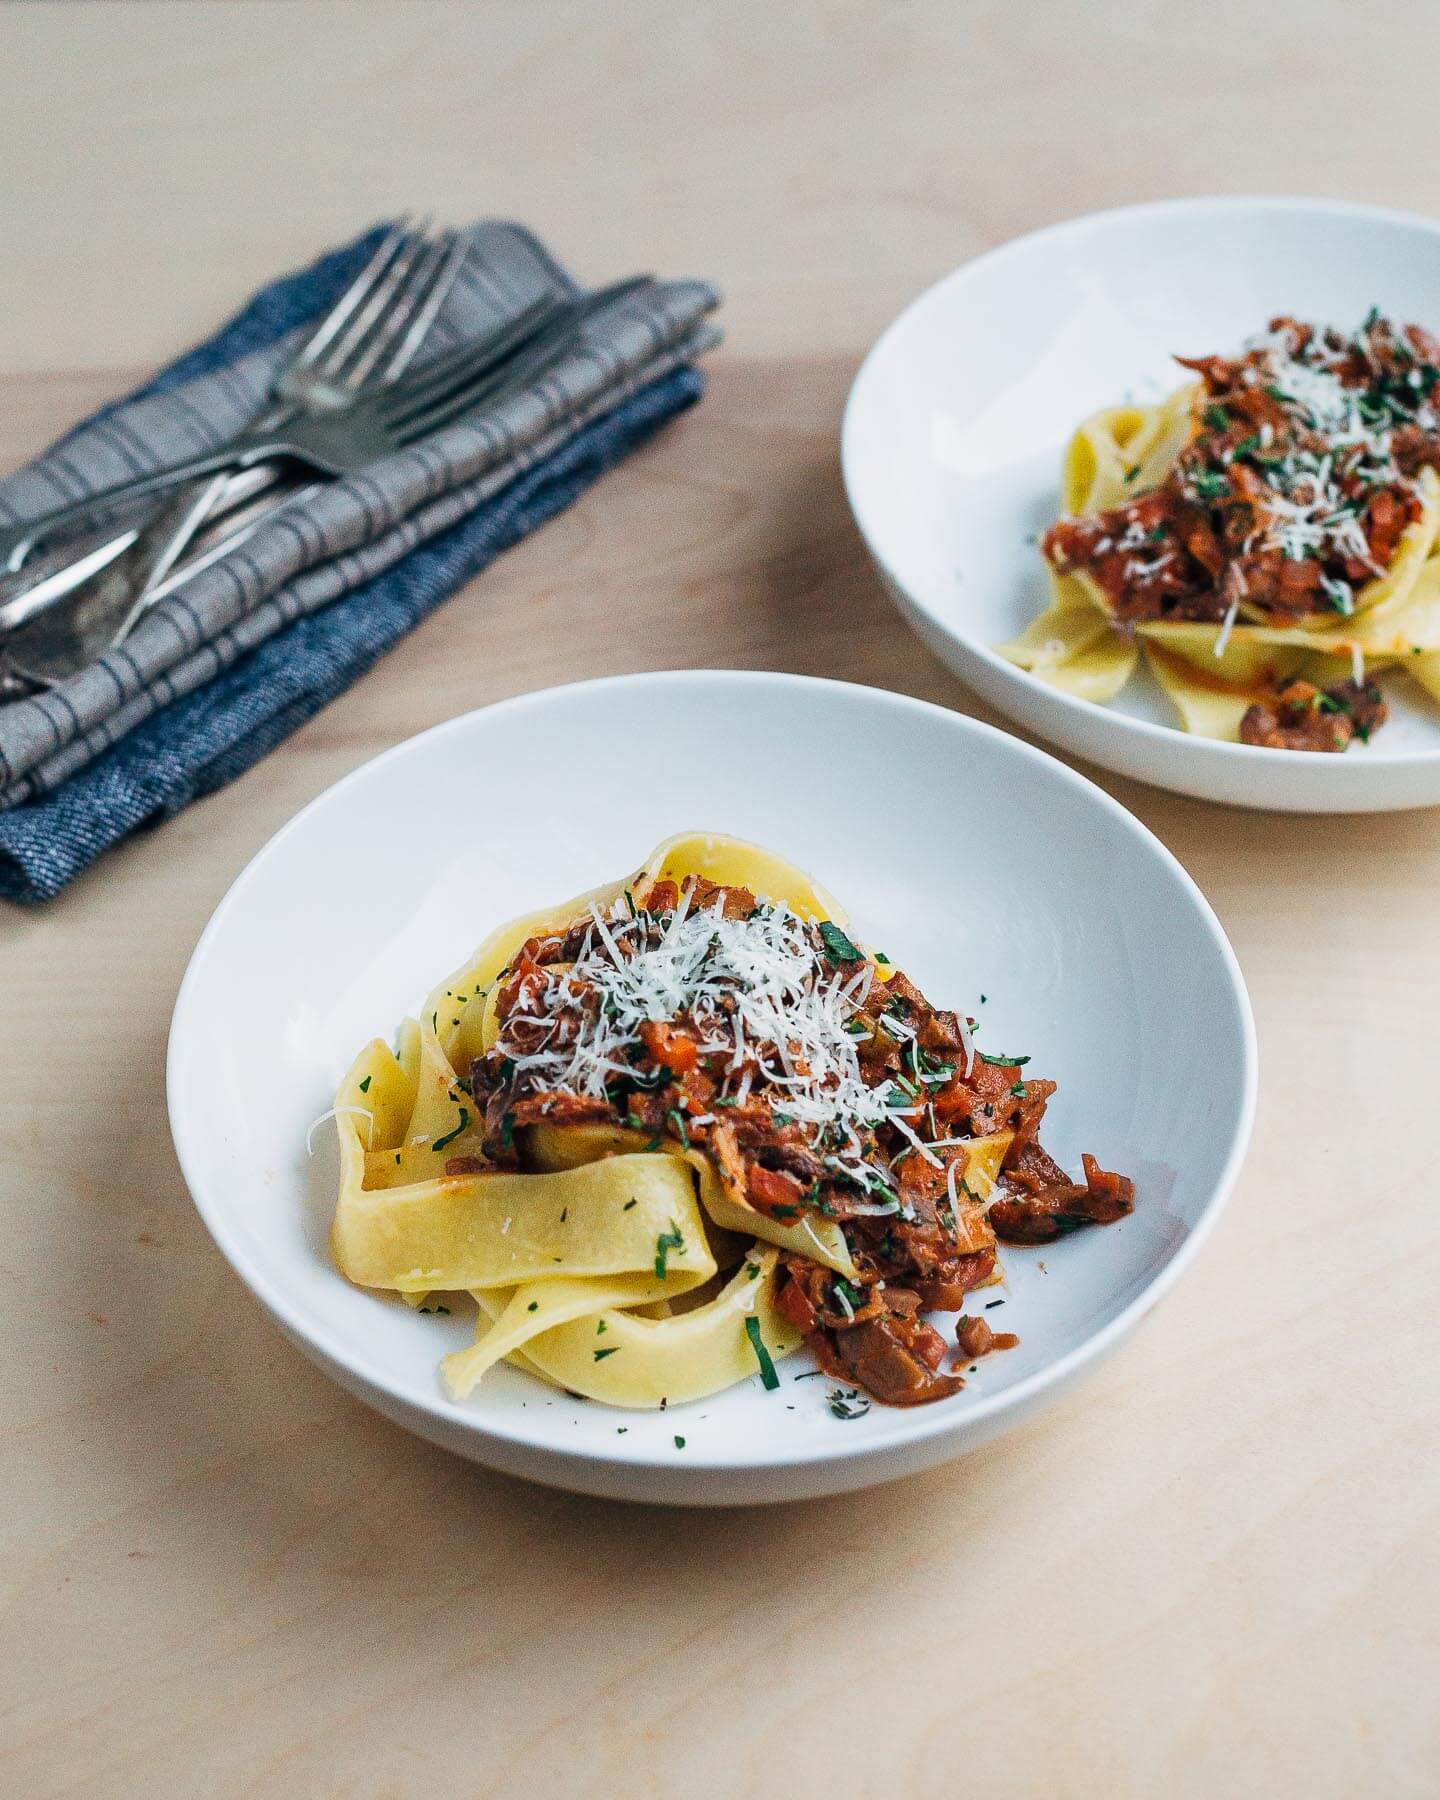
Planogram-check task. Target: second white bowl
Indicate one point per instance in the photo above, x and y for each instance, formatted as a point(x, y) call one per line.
point(955, 425)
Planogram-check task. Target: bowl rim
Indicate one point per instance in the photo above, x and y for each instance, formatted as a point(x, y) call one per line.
point(916, 1427)
point(1007, 675)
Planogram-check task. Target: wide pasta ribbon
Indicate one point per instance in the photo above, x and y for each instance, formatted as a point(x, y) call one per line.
point(612, 1351)
point(601, 1268)
point(1212, 675)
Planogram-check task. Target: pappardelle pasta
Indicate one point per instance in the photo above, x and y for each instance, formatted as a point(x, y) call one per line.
point(666, 1132)
point(1265, 539)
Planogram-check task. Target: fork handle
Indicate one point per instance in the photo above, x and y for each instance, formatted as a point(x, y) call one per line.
point(241, 453)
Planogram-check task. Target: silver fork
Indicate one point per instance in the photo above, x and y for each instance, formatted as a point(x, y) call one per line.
point(504, 360)
point(89, 593)
point(373, 332)
point(371, 424)
point(386, 312)
point(513, 369)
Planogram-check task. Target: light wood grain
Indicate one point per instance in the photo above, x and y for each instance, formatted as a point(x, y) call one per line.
point(1212, 1571)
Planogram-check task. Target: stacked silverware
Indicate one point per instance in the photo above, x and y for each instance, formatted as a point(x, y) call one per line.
point(78, 580)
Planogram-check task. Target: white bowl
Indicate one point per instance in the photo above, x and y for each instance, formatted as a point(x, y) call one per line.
point(955, 425)
point(982, 866)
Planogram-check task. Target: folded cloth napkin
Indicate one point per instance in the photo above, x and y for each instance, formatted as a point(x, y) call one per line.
point(221, 671)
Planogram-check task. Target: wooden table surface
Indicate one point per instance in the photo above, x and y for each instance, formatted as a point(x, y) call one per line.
point(1210, 1572)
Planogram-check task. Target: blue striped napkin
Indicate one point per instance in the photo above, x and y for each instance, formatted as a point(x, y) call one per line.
point(204, 739)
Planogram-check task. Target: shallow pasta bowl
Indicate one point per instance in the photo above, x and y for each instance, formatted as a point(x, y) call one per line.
point(957, 420)
point(1092, 949)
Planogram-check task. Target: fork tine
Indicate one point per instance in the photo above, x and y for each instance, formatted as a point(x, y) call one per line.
point(429, 309)
point(480, 389)
point(444, 412)
point(534, 359)
point(377, 305)
point(560, 334)
point(564, 334)
point(357, 292)
point(472, 387)
point(405, 301)
point(464, 380)
point(496, 341)
point(534, 362)
point(525, 371)
point(445, 372)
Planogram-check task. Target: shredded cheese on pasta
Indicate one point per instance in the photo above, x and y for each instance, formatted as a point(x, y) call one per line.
point(757, 989)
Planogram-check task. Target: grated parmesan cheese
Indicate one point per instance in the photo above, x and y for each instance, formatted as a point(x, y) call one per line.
point(757, 988)
point(1309, 511)
point(1223, 635)
point(360, 1112)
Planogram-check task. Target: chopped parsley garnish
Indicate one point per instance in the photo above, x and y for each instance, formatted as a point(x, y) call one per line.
point(1217, 418)
point(673, 1239)
point(1004, 1062)
point(767, 1367)
point(837, 946)
point(1208, 485)
point(677, 1118)
point(628, 1204)
point(534, 1306)
point(848, 1403)
point(610, 1350)
point(450, 1136)
point(365, 1084)
point(848, 1292)
point(679, 1443)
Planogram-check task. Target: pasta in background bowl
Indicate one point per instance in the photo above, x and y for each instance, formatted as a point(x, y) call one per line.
point(958, 425)
point(1117, 981)
point(1265, 539)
